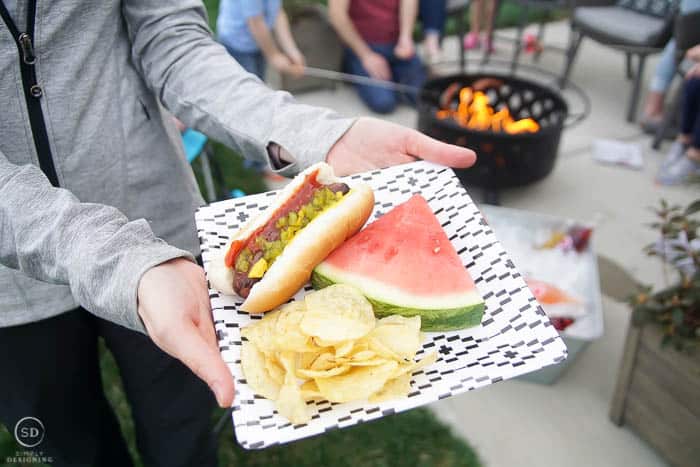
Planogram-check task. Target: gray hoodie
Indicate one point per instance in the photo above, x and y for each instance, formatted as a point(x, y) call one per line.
point(88, 117)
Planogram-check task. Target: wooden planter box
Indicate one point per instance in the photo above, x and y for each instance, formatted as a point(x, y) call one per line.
point(658, 396)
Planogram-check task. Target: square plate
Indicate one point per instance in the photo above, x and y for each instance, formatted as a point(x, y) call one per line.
point(515, 336)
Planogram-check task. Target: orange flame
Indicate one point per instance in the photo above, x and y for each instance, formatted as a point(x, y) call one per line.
point(475, 112)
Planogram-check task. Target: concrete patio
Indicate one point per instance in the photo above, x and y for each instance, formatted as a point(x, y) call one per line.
point(524, 424)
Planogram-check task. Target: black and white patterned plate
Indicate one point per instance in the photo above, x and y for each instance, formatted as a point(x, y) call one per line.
point(515, 336)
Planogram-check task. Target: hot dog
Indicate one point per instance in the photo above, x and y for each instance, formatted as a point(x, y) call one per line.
point(271, 257)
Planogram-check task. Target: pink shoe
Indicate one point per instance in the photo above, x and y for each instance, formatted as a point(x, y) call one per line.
point(471, 41)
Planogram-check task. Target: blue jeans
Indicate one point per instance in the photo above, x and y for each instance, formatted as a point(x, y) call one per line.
point(252, 62)
point(690, 117)
point(433, 15)
point(666, 67)
point(383, 100)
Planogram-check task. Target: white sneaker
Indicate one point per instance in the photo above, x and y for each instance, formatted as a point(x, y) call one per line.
point(676, 151)
point(680, 171)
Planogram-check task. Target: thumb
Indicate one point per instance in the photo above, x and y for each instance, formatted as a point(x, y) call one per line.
point(424, 147)
point(205, 361)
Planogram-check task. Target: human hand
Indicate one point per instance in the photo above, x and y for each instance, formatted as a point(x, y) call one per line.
point(693, 53)
point(694, 72)
point(405, 48)
point(174, 306)
point(372, 143)
point(284, 64)
point(376, 66)
point(298, 63)
point(297, 57)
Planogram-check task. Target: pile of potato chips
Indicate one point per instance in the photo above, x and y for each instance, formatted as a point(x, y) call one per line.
point(330, 347)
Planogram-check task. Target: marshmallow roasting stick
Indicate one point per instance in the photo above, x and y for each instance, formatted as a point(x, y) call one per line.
point(357, 79)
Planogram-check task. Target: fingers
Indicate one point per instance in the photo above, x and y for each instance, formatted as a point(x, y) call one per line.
point(419, 145)
point(384, 71)
point(201, 355)
point(377, 67)
point(296, 70)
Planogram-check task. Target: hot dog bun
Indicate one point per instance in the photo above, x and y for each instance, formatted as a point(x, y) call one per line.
point(311, 245)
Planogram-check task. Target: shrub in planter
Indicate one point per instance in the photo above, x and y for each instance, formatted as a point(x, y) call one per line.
point(675, 308)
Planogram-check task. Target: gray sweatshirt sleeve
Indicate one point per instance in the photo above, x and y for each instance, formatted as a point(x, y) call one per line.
point(49, 235)
point(197, 80)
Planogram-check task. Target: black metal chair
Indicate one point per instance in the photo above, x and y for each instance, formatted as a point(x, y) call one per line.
point(636, 27)
point(686, 32)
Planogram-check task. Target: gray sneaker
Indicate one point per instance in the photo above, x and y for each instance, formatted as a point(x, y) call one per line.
point(680, 171)
point(674, 154)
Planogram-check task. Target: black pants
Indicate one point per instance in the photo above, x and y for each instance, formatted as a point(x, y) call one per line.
point(50, 370)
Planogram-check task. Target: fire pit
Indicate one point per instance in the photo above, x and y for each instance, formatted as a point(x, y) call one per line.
point(513, 124)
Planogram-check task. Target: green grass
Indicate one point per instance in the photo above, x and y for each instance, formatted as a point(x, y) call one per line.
point(413, 438)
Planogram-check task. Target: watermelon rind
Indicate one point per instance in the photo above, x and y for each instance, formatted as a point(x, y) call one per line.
point(432, 319)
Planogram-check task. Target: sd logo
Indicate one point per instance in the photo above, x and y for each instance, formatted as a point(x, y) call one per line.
point(29, 432)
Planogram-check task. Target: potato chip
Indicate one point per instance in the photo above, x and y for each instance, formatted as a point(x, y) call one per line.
point(316, 374)
point(309, 391)
point(287, 331)
point(257, 376)
point(371, 362)
point(393, 389)
point(343, 349)
point(376, 346)
point(290, 404)
point(337, 313)
point(323, 343)
point(412, 367)
point(288, 360)
point(358, 383)
point(399, 334)
point(334, 345)
point(325, 361)
point(274, 369)
point(363, 355)
point(306, 359)
point(261, 332)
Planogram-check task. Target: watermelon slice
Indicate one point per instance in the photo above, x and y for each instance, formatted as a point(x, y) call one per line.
point(405, 264)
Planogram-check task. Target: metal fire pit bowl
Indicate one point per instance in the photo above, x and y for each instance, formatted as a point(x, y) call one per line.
point(504, 160)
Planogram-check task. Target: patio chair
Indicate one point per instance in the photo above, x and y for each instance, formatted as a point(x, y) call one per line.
point(636, 27)
point(686, 31)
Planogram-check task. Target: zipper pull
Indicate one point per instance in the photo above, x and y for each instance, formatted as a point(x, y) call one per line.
point(25, 41)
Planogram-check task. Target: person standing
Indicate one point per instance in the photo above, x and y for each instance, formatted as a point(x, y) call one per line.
point(433, 15)
point(379, 39)
point(480, 10)
point(246, 27)
point(97, 209)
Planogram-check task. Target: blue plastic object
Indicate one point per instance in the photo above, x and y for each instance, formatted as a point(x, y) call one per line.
point(193, 142)
point(236, 193)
